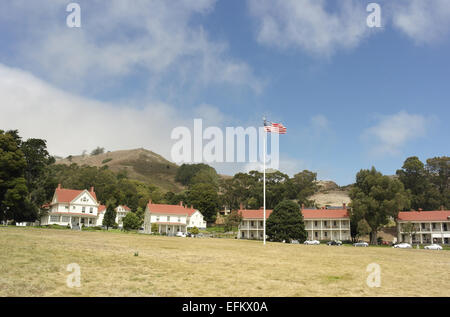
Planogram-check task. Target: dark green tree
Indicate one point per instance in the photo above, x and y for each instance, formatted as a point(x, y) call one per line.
point(233, 220)
point(439, 171)
point(417, 181)
point(377, 198)
point(204, 197)
point(286, 223)
point(109, 220)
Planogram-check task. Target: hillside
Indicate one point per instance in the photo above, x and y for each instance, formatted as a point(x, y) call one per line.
point(330, 194)
point(140, 164)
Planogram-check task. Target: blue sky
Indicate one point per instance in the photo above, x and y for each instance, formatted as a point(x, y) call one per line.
point(351, 96)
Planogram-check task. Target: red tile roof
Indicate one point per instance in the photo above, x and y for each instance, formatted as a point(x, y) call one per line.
point(307, 213)
point(437, 215)
point(67, 195)
point(101, 208)
point(170, 209)
point(325, 213)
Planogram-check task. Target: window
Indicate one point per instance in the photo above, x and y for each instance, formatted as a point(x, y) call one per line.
point(179, 219)
point(326, 234)
point(73, 207)
point(325, 223)
point(261, 223)
point(83, 209)
point(434, 226)
point(91, 210)
point(157, 218)
point(315, 223)
point(316, 234)
point(252, 224)
point(67, 207)
point(168, 218)
point(335, 223)
point(423, 226)
point(65, 219)
point(54, 218)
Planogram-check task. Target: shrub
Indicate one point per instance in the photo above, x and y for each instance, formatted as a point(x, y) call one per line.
point(131, 222)
point(107, 160)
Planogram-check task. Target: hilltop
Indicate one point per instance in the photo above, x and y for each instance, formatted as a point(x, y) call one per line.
point(139, 164)
point(330, 194)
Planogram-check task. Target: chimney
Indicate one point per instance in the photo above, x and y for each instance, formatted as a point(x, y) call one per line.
point(192, 206)
point(241, 206)
point(442, 207)
point(92, 189)
point(420, 209)
point(149, 201)
point(344, 206)
point(181, 203)
point(323, 207)
point(59, 186)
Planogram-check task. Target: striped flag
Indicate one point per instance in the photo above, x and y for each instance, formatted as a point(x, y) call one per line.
point(274, 127)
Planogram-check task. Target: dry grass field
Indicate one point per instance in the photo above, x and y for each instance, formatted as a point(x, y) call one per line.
point(33, 262)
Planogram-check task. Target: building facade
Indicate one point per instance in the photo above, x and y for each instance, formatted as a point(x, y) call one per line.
point(320, 224)
point(426, 227)
point(74, 208)
point(121, 212)
point(171, 219)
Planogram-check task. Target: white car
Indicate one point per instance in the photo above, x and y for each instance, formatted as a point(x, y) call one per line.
point(311, 242)
point(403, 245)
point(361, 244)
point(433, 247)
point(181, 234)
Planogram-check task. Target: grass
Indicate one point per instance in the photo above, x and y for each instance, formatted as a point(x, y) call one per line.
point(33, 262)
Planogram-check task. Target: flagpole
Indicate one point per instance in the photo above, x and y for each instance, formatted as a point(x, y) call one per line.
point(264, 184)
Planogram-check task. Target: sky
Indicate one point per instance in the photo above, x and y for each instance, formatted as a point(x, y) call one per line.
point(351, 96)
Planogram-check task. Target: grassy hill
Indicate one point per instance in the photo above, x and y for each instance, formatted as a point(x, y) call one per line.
point(330, 194)
point(140, 164)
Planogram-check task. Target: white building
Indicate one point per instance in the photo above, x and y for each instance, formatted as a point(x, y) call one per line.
point(320, 224)
point(171, 219)
point(428, 226)
point(74, 208)
point(121, 212)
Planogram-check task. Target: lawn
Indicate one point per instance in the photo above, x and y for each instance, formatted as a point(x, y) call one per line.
point(33, 262)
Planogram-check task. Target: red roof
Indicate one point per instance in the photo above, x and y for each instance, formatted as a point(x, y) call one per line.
point(170, 209)
point(325, 213)
point(437, 215)
point(101, 208)
point(125, 207)
point(307, 213)
point(254, 213)
point(67, 195)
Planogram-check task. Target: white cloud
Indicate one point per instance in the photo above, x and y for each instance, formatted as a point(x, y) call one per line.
point(157, 38)
point(422, 21)
point(72, 124)
point(392, 133)
point(307, 25)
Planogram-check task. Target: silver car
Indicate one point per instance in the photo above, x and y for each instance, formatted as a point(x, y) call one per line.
point(311, 242)
point(361, 244)
point(403, 245)
point(433, 247)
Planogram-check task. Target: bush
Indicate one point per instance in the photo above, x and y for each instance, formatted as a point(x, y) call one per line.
point(107, 160)
point(131, 222)
point(194, 230)
point(285, 223)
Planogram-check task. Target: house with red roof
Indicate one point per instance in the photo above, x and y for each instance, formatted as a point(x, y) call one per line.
point(121, 212)
point(171, 219)
point(320, 224)
point(75, 208)
point(427, 226)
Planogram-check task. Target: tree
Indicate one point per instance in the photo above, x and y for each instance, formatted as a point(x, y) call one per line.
point(109, 220)
point(439, 171)
point(376, 198)
point(286, 223)
point(131, 222)
point(14, 196)
point(302, 186)
point(204, 197)
point(233, 220)
point(417, 181)
point(98, 151)
point(187, 172)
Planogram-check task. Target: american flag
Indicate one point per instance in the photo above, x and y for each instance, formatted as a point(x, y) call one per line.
point(274, 127)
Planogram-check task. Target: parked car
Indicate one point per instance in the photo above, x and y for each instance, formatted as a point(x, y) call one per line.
point(403, 245)
point(181, 234)
point(361, 244)
point(295, 242)
point(433, 247)
point(311, 242)
point(334, 242)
